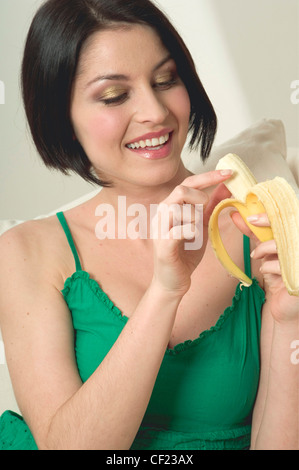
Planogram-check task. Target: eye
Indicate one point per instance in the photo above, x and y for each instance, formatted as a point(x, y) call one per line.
point(165, 81)
point(113, 96)
point(115, 100)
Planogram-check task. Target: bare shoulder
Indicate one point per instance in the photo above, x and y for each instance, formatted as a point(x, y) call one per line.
point(34, 248)
point(35, 321)
point(33, 260)
point(26, 233)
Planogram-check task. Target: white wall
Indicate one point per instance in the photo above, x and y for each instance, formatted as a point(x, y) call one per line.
point(27, 188)
point(247, 54)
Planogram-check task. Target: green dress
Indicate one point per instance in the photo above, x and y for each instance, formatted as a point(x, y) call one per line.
point(206, 388)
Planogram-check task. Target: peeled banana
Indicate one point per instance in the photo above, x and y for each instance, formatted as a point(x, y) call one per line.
point(275, 197)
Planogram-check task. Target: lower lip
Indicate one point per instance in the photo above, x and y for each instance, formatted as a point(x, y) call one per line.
point(157, 154)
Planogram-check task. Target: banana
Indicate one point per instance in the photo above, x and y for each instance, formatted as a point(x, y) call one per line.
point(275, 197)
point(242, 179)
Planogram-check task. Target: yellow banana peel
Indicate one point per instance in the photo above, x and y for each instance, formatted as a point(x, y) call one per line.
point(275, 197)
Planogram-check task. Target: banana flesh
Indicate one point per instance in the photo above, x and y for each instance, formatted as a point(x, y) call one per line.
point(275, 197)
point(242, 179)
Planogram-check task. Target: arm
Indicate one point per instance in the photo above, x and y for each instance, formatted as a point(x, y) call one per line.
point(276, 413)
point(106, 411)
point(62, 413)
point(110, 406)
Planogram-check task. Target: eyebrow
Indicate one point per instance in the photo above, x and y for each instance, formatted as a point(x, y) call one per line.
point(125, 77)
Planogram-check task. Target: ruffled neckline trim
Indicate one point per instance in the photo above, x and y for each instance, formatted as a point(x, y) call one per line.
point(96, 289)
point(240, 289)
point(180, 347)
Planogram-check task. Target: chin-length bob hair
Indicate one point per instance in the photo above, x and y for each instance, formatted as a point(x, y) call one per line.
point(52, 50)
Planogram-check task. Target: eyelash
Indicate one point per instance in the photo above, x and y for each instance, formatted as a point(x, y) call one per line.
point(167, 84)
point(115, 100)
point(122, 98)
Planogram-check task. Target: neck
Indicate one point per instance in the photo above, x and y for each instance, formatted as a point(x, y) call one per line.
point(134, 206)
point(146, 194)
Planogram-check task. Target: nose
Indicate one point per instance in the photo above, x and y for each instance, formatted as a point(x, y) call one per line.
point(150, 107)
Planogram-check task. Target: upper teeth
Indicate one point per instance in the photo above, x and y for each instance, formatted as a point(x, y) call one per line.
point(149, 142)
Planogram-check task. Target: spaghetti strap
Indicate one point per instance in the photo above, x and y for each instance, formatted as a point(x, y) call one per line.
point(246, 253)
point(63, 222)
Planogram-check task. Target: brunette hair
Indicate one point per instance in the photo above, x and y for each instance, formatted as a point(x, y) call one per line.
point(55, 39)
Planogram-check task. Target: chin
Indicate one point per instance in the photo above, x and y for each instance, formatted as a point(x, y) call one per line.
point(165, 174)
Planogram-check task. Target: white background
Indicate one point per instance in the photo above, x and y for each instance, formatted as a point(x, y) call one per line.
point(247, 55)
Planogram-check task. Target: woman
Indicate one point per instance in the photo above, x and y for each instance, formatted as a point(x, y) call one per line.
point(123, 342)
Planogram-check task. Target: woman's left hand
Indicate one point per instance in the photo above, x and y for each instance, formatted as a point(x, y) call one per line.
point(283, 306)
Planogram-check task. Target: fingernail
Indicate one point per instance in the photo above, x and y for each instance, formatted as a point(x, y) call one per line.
point(232, 213)
point(253, 218)
point(252, 254)
point(226, 172)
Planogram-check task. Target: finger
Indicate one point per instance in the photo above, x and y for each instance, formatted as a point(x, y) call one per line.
point(186, 214)
point(205, 180)
point(271, 267)
point(260, 220)
point(184, 232)
point(189, 192)
point(185, 195)
point(242, 226)
point(177, 215)
point(264, 249)
point(220, 192)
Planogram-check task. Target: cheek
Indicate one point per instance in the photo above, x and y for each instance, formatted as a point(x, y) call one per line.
point(105, 128)
point(95, 128)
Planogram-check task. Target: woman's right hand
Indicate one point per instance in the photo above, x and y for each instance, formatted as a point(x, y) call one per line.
point(174, 259)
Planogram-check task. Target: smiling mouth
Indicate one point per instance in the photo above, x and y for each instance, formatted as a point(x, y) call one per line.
point(150, 144)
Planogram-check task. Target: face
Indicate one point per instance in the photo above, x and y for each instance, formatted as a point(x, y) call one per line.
point(130, 110)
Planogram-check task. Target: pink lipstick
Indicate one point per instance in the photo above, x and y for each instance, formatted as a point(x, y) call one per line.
point(153, 145)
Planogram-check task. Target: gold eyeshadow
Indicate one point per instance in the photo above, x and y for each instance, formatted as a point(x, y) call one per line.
point(117, 94)
point(164, 78)
point(112, 93)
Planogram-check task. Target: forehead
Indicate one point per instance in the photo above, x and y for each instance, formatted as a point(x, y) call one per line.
point(122, 46)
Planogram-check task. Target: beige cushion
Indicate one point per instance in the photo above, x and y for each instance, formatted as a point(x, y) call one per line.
point(262, 147)
point(293, 162)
